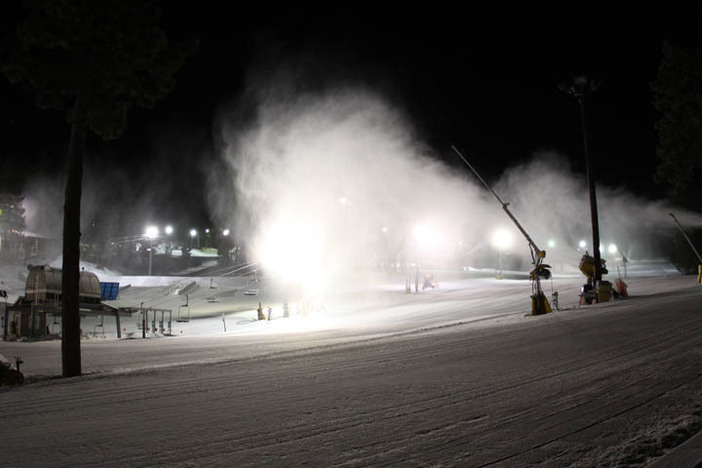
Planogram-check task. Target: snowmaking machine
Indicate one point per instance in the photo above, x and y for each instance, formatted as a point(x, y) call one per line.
point(541, 271)
point(594, 291)
point(692, 246)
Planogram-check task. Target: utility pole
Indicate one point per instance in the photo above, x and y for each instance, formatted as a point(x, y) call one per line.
point(582, 88)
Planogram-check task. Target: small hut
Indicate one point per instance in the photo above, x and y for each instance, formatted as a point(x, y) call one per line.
point(42, 298)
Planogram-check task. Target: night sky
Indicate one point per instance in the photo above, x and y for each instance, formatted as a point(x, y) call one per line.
point(482, 78)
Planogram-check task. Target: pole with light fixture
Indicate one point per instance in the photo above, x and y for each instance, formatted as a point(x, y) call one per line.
point(151, 234)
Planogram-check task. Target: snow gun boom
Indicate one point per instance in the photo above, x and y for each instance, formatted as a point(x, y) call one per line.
point(692, 246)
point(540, 254)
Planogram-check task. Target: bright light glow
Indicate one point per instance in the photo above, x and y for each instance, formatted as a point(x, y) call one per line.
point(582, 244)
point(193, 233)
point(169, 230)
point(343, 200)
point(207, 231)
point(502, 239)
point(427, 237)
point(225, 232)
point(384, 229)
point(152, 232)
point(551, 243)
point(294, 249)
point(612, 249)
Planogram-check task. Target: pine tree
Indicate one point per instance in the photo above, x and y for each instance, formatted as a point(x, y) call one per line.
point(678, 97)
point(95, 61)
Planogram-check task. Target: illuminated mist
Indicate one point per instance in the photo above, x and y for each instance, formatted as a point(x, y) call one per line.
point(554, 203)
point(328, 184)
point(337, 182)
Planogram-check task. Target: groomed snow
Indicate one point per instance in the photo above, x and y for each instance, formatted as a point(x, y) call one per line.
point(454, 376)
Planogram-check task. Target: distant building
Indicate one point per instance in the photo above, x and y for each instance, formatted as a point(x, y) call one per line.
point(16, 243)
point(11, 226)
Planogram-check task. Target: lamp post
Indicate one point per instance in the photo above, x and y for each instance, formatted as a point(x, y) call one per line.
point(581, 88)
point(169, 245)
point(151, 234)
point(193, 234)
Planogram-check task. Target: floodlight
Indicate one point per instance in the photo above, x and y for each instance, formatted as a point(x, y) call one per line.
point(152, 232)
point(502, 239)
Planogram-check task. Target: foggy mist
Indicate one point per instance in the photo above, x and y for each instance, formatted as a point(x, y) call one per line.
point(337, 180)
point(324, 182)
point(319, 183)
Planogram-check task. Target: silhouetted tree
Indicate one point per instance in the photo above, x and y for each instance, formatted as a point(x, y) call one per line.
point(95, 60)
point(677, 95)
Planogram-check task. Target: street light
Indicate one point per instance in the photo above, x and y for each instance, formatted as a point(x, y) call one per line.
point(193, 233)
point(151, 234)
point(582, 88)
point(169, 230)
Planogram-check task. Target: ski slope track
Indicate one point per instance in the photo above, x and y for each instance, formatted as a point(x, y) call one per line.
point(444, 378)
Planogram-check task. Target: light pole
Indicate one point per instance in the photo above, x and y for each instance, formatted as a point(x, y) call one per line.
point(581, 88)
point(151, 234)
point(169, 246)
point(193, 234)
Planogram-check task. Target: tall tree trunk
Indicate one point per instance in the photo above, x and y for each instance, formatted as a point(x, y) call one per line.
point(70, 281)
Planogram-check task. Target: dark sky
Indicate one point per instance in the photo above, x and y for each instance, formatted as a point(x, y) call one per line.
point(481, 78)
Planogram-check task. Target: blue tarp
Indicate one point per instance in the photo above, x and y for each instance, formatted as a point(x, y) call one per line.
point(109, 291)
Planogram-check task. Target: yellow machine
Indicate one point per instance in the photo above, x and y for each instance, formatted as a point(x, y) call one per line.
point(589, 293)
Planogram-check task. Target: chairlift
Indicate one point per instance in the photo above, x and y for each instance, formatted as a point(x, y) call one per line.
point(252, 290)
point(183, 311)
point(101, 325)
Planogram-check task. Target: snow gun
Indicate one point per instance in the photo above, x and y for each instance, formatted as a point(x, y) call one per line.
point(539, 303)
point(692, 246)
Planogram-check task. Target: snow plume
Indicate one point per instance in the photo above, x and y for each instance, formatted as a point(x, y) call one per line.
point(330, 182)
point(43, 204)
point(554, 204)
